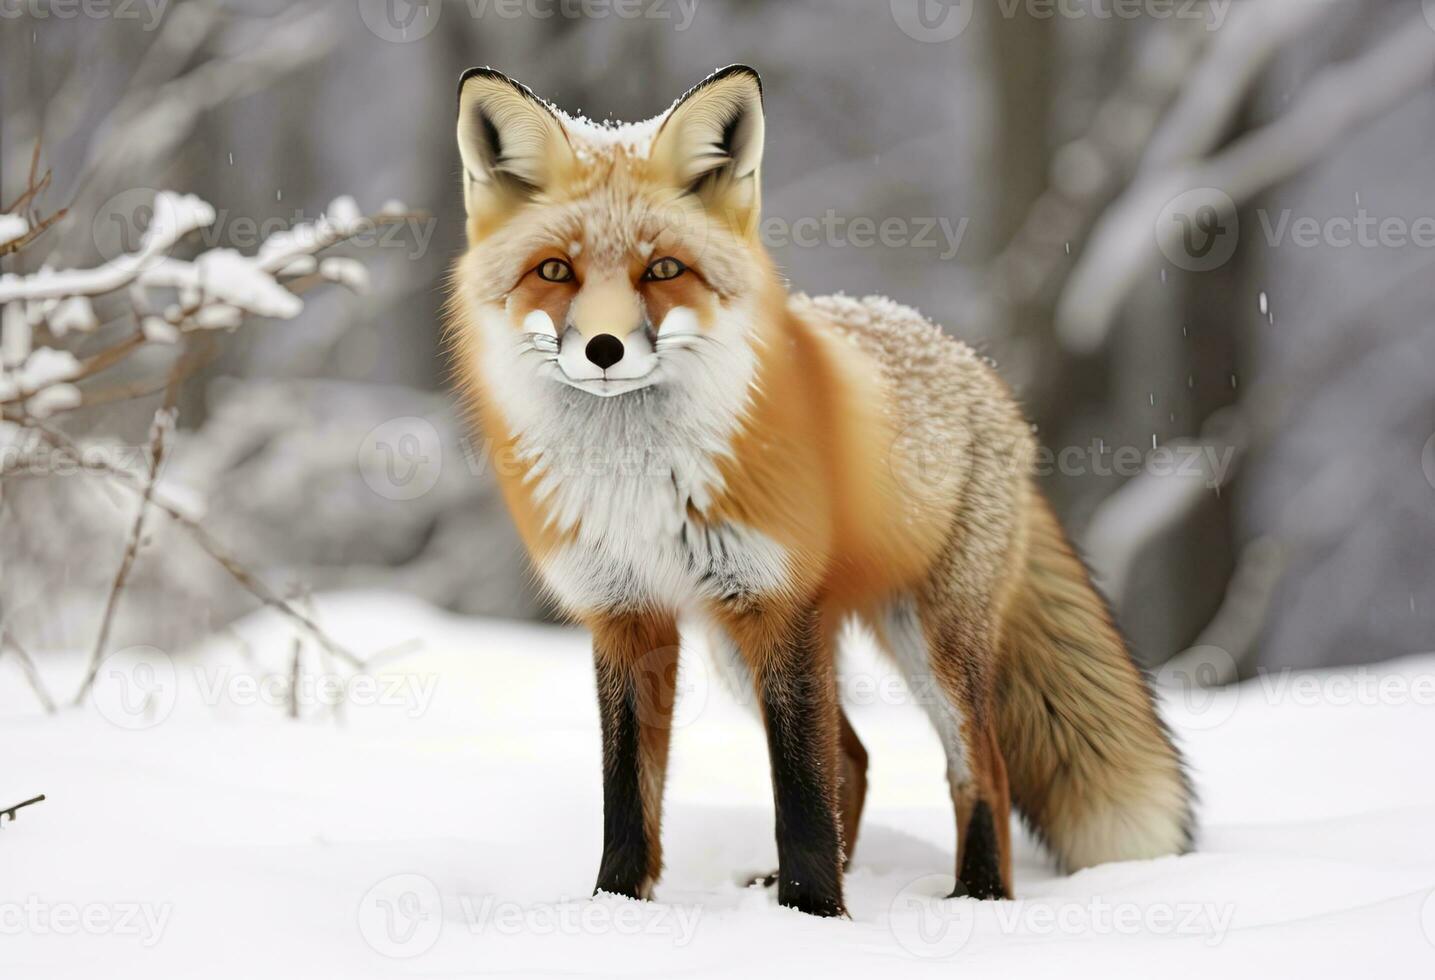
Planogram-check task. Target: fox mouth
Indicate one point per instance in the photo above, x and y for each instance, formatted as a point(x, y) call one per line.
point(606, 387)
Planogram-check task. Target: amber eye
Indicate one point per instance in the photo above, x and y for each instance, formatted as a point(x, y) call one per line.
point(665, 268)
point(555, 270)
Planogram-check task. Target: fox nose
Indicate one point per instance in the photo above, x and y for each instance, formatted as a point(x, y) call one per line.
point(604, 350)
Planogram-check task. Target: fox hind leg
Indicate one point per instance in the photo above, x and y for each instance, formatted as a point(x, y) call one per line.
point(982, 803)
point(947, 674)
point(852, 787)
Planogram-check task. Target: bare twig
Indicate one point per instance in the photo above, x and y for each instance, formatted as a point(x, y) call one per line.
point(12, 810)
point(199, 356)
point(247, 579)
point(294, 668)
point(163, 424)
point(32, 186)
point(35, 185)
point(36, 230)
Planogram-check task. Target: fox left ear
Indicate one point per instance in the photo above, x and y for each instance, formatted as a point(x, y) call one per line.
point(513, 145)
point(710, 143)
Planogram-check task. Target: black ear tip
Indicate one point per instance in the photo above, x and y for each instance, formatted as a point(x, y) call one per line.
point(740, 70)
point(485, 72)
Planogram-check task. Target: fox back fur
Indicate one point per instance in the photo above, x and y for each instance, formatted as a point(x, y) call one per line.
point(678, 436)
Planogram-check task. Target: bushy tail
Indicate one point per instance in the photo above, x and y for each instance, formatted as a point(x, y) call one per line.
point(1091, 766)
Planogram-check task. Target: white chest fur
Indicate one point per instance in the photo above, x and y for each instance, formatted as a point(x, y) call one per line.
point(630, 479)
point(639, 569)
point(630, 476)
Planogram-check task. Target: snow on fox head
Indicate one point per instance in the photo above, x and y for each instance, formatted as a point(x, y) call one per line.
point(611, 263)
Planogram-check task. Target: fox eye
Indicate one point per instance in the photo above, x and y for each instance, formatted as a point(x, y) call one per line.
point(664, 268)
point(555, 270)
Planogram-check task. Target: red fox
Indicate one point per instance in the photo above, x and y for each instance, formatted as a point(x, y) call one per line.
point(684, 438)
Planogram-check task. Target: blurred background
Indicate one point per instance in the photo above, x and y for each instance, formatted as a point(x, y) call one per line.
point(1197, 238)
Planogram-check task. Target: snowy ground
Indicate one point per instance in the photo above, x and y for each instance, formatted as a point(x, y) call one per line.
point(449, 824)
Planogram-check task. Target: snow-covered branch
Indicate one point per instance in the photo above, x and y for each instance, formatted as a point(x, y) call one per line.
point(1336, 101)
point(215, 290)
point(167, 299)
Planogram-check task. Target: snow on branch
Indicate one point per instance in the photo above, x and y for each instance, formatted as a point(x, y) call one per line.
point(215, 290)
point(20, 224)
point(167, 299)
point(175, 216)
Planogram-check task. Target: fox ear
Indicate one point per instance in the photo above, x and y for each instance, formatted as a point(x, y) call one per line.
point(710, 143)
point(513, 145)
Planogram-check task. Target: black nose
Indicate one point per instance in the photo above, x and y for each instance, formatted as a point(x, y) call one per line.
point(604, 350)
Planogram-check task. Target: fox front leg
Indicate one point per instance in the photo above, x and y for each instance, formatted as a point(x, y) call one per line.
point(636, 660)
point(791, 666)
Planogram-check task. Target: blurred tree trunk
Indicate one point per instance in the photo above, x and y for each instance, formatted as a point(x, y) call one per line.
point(1024, 66)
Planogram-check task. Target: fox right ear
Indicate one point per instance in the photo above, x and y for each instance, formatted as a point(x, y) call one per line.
point(710, 143)
point(513, 145)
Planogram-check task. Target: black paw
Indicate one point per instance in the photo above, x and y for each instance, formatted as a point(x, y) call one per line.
point(624, 887)
point(980, 890)
point(624, 871)
point(762, 880)
point(981, 871)
point(820, 902)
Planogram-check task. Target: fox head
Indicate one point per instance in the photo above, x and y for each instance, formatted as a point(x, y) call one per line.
point(608, 261)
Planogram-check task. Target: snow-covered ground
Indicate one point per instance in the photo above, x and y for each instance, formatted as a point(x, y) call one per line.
point(446, 820)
